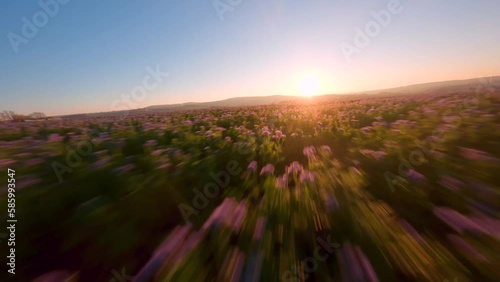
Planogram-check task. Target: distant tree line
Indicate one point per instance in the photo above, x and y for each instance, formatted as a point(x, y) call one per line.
point(12, 116)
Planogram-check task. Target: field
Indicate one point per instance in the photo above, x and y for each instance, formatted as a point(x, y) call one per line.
point(399, 188)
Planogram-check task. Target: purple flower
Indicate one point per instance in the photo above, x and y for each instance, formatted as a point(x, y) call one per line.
point(100, 153)
point(124, 168)
point(307, 176)
point(295, 167)
point(252, 167)
point(56, 275)
point(415, 176)
point(331, 202)
point(259, 229)
point(355, 170)
point(326, 148)
point(487, 116)
point(279, 135)
point(281, 181)
point(309, 151)
point(54, 137)
point(354, 264)
point(33, 162)
point(367, 128)
point(450, 182)
point(235, 219)
point(465, 247)
point(267, 169)
point(99, 163)
point(375, 154)
point(458, 221)
point(157, 152)
point(27, 181)
point(475, 155)
point(165, 166)
point(150, 143)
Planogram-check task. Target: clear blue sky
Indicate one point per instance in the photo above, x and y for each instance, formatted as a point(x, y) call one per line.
point(92, 51)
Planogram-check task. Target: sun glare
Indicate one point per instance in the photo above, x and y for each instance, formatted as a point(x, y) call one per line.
point(309, 86)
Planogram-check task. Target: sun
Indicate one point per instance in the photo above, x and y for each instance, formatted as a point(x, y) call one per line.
point(309, 86)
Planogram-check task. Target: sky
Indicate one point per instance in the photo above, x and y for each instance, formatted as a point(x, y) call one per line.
point(94, 55)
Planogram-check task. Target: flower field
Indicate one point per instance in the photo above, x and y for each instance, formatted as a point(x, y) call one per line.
point(400, 188)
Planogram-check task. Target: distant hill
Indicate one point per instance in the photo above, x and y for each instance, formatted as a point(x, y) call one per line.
point(444, 87)
point(231, 102)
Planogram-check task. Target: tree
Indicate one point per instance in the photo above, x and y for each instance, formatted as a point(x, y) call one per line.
point(12, 116)
point(37, 115)
point(7, 115)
